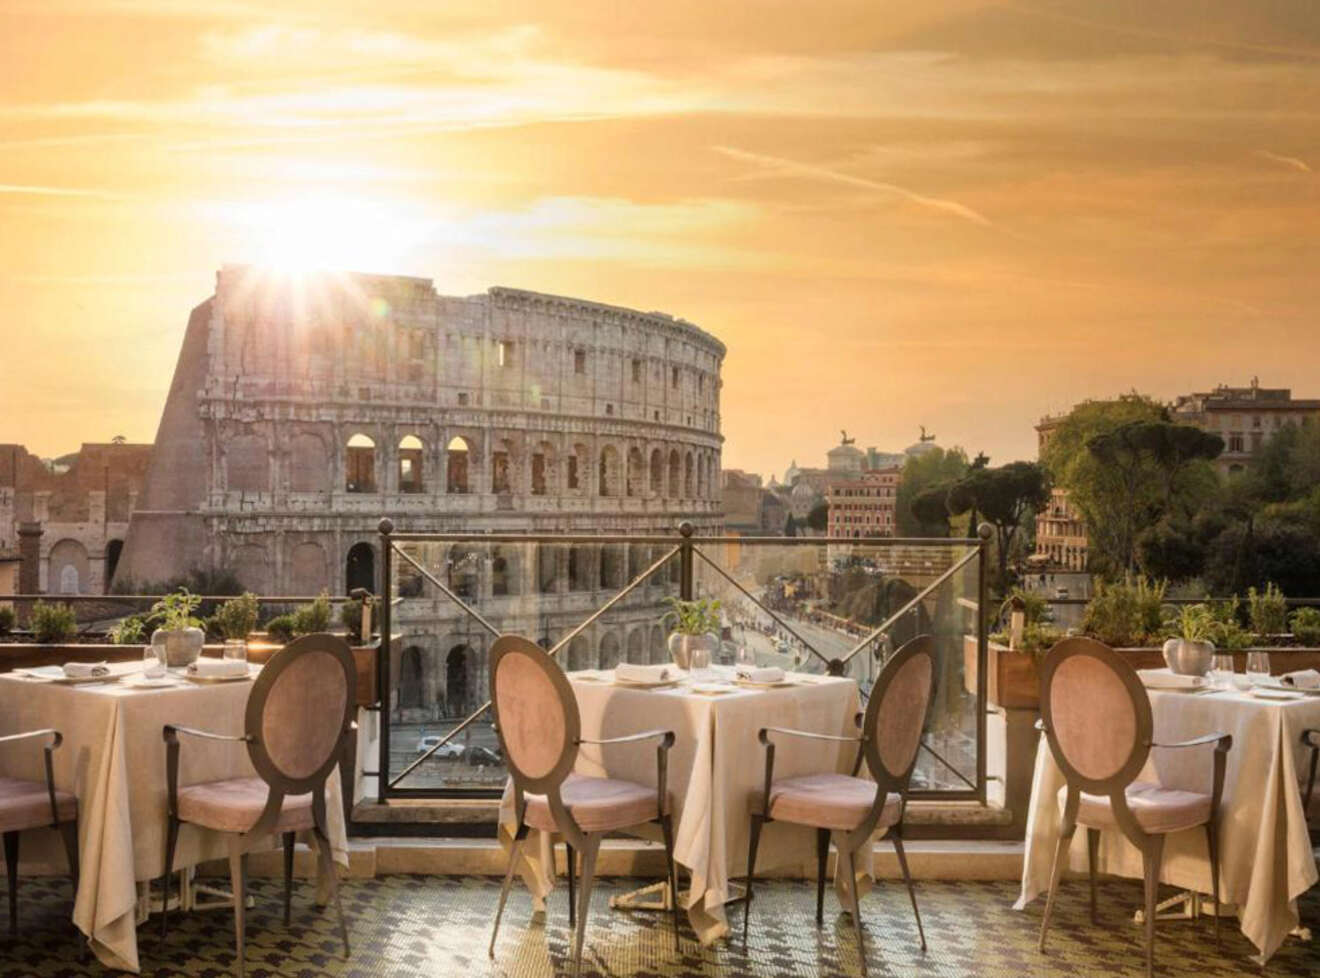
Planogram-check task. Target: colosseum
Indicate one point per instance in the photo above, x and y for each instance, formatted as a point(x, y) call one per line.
point(304, 409)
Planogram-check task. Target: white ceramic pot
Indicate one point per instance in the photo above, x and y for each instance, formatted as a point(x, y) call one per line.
point(1188, 658)
point(681, 647)
point(181, 646)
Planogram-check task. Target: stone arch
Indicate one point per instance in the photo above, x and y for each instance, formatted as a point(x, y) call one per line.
point(613, 566)
point(504, 568)
point(68, 569)
point(309, 568)
point(411, 465)
point(689, 480)
point(637, 561)
point(609, 471)
point(502, 476)
point(360, 464)
point(659, 651)
point(458, 457)
point(410, 692)
point(701, 475)
point(579, 654)
point(544, 475)
point(113, 550)
point(674, 467)
point(457, 690)
point(635, 484)
point(577, 472)
point(547, 568)
point(579, 568)
point(309, 464)
point(360, 567)
point(657, 472)
point(247, 464)
point(251, 565)
point(462, 570)
point(611, 652)
point(637, 645)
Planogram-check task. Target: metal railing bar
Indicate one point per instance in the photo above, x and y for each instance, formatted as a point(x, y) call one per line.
point(472, 612)
point(566, 538)
point(134, 598)
point(956, 773)
point(756, 601)
point(921, 596)
point(628, 589)
point(443, 740)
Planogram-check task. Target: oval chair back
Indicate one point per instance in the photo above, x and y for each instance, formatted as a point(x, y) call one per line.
point(300, 707)
point(1096, 715)
point(536, 717)
point(896, 714)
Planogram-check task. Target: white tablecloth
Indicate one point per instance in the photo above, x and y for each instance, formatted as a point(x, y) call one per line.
point(715, 767)
point(1266, 860)
point(113, 759)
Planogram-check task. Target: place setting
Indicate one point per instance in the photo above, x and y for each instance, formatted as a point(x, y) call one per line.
point(72, 674)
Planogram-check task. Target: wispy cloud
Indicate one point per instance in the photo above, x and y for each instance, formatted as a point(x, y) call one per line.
point(1291, 162)
point(33, 190)
point(813, 172)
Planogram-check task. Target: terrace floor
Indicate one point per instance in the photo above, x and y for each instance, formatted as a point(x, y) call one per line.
point(403, 926)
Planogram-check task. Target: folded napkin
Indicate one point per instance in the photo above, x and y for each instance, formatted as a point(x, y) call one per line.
point(219, 667)
point(759, 674)
point(1167, 679)
point(85, 670)
point(631, 673)
point(1302, 679)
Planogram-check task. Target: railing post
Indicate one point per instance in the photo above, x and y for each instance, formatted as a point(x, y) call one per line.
point(984, 532)
point(386, 527)
point(685, 576)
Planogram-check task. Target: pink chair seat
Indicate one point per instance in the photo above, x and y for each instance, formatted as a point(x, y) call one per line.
point(234, 806)
point(829, 801)
point(1156, 809)
point(596, 804)
point(26, 805)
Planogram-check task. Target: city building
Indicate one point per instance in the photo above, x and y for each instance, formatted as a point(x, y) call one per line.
point(749, 508)
point(865, 506)
point(1245, 417)
point(303, 410)
point(1061, 540)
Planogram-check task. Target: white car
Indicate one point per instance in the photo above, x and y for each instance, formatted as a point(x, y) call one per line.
point(450, 749)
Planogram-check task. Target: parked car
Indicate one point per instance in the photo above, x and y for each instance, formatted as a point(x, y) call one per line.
point(450, 749)
point(479, 756)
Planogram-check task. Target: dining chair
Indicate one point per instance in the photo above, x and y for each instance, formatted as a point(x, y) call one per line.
point(1310, 800)
point(855, 807)
point(32, 805)
point(298, 715)
point(1097, 719)
point(540, 731)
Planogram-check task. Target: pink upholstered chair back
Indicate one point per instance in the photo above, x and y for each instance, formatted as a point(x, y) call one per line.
point(1097, 715)
point(536, 714)
point(896, 713)
point(299, 710)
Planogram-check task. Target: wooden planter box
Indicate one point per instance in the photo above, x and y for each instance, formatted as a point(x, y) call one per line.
point(1012, 679)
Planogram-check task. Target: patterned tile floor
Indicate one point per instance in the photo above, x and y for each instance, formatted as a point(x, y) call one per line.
point(404, 926)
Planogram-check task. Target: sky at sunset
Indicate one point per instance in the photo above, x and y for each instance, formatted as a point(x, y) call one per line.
point(952, 213)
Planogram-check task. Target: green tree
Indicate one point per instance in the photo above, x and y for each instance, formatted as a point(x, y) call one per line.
point(790, 526)
point(819, 517)
point(1007, 497)
point(925, 471)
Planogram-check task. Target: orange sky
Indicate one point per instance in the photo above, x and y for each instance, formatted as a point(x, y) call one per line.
point(959, 214)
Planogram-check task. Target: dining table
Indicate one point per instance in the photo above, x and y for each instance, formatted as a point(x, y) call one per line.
point(1266, 858)
point(113, 759)
point(716, 766)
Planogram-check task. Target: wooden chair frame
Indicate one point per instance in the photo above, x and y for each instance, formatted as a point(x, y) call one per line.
point(1311, 739)
point(68, 828)
point(550, 785)
point(280, 785)
point(887, 782)
point(1114, 787)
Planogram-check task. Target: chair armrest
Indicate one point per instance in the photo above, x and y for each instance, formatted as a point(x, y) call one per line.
point(766, 731)
point(56, 739)
point(661, 759)
point(172, 730)
point(1311, 738)
point(1213, 738)
point(667, 735)
point(1040, 725)
point(170, 734)
point(1223, 743)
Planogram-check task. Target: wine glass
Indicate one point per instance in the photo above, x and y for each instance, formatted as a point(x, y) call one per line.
point(699, 666)
point(1258, 666)
point(153, 664)
point(236, 648)
point(1221, 670)
point(746, 655)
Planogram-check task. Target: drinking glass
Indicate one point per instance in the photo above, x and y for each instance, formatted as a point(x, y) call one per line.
point(1221, 670)
point(746, 655)
point(153, 665)
point(236, 648)
point(699, 667)
point(1258, 666)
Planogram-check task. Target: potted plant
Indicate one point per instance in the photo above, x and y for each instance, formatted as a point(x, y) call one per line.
point(694, 625)
point(1189, 652)
point(178, 639)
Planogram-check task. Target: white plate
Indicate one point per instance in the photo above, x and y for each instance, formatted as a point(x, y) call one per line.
point(55, 674)
point(1275, 693)
point(777, 684)
point(712, 689)
point(1174, 683)
point(159, 682)
point(659, 684)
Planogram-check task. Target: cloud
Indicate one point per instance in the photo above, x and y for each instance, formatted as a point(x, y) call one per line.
point(1291, 162)
point(794, 168)
point(32, 190)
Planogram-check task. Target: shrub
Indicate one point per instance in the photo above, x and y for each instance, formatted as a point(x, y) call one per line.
point(53, 622)
point(1037, 638)
point(351, 617)
point(1306, 626)
point(237, 617)
point(1127, 613)
point(130, 631)
point(1269, 611)
point(314, 617)
point(174, 612)
point(6, 620)
point(280, 627)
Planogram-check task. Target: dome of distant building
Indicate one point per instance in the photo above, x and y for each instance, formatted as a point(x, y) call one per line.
point(922, 446)
point(791, 474)
point(846, 458)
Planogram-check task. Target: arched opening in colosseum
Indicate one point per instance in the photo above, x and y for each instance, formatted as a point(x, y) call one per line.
point(456, 681)
point(613, 564)
point(411, 452)
point(547, 567)
point(611, 652)
point(636, 472)
point(69, 569)
point(543, 468)
point(461, 567)
point(657, 472)
point(701, 477)
point(501, 467)
point(247, 464)
point(575, 469)
point(408, 694)
point(637, 645)
point(636, 561)
point(360, 467)
point(309, 464)
point(360, 568)
point(579, 654)
point(251, 565)
point(689, 481)
point(503, 572)
point(609, 471)
point(113, 550)
point(579, 568)
point(309, 570)
point(674, 465)
point(457, 454)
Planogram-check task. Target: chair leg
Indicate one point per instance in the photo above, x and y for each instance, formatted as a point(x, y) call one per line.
point(1092, 850)
point(69, 833)
point(753, 841)
point(569, 859)
point(912, 892)
point(1212, 844)
point(848, 863)
point(1056, 870)
point(1151, 864)
point(11, 866)
point(332, 878)
point(508, 882)
point(822, 862)
point(171, 840)
point(667, 827)
point(238, 882)
point(289, 838)
point(584, 897)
